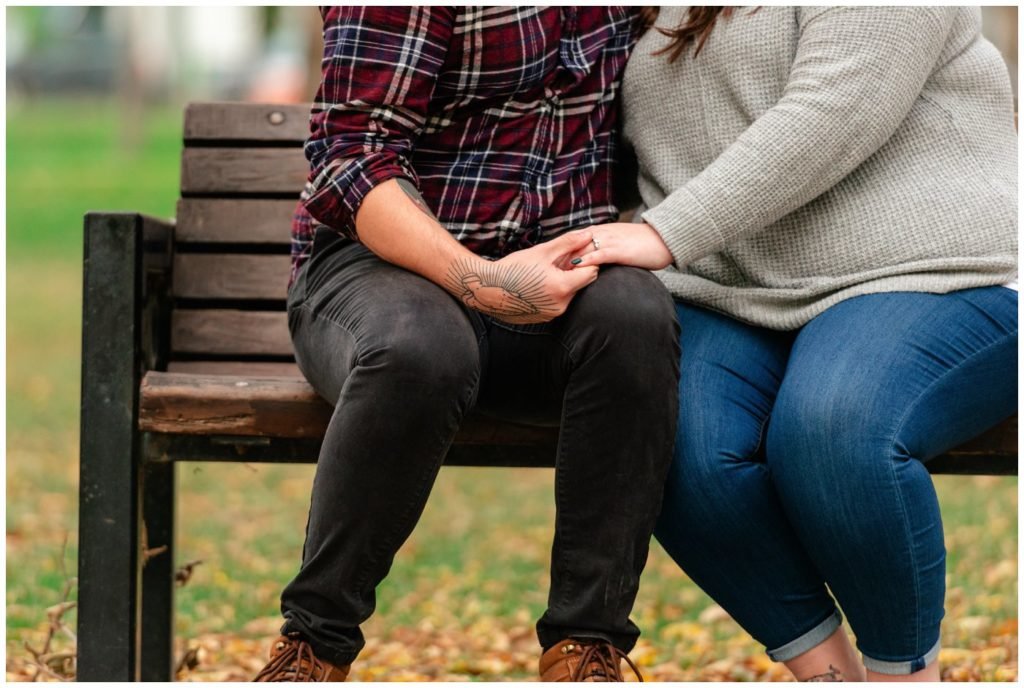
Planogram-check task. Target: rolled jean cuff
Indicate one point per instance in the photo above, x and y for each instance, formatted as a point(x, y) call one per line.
point(911, 666)
point(334, 655)
point(808, 640)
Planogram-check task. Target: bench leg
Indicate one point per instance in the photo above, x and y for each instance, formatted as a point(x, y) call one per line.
point(157, 625)
point(109, 500)
point(108, 567)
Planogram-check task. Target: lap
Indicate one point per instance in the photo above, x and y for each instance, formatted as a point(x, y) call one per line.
point(626, 310)
point(362, 292)
point(934, 369)
point(348, 306)
point(927, 371)
point(729, 375)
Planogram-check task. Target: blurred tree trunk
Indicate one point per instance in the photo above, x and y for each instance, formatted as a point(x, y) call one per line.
point(129, 79)
point(314, 51)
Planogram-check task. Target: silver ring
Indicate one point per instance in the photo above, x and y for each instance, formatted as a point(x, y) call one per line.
point(597, 244)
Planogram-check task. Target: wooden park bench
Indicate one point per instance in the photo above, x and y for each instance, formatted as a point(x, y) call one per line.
point(186, 356)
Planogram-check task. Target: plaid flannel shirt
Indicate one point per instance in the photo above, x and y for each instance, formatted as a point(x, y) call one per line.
point(503, 117)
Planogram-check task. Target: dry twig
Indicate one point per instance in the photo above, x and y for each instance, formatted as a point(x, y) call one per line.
point(59, 665)
point(188, 661)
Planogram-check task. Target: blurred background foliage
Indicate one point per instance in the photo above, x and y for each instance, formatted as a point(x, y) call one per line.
point(94, 102)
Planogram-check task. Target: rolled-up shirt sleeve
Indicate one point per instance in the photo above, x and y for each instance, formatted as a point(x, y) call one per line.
point(379, 70)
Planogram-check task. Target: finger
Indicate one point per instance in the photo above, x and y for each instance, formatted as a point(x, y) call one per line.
point(589, 248)
point(601, 256)
point(563, 262)
point(569, 242)
point(566, 261)
point(581, 277)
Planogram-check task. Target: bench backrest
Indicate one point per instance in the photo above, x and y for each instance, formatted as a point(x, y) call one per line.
point(242, 168)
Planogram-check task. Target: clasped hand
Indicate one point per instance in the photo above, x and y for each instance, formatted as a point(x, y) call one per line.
point(624, 243)
point(537, 284)
point(532, 285)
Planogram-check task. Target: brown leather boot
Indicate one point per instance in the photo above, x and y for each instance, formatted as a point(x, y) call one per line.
point(292, 660)
point(584, 660)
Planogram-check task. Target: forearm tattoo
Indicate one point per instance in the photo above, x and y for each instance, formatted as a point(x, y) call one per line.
point(500, 291)
point(507, 293)
point(414, 195)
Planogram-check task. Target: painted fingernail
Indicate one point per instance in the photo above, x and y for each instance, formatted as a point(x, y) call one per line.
point(576, 261)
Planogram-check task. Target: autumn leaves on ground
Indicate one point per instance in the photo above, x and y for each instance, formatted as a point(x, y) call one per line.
point(465, 591)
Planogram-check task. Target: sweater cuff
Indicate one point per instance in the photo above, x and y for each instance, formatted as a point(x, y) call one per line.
point(687, 229)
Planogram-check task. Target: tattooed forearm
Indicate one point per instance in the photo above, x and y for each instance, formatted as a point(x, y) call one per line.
point(414, 195)
point(504, 292)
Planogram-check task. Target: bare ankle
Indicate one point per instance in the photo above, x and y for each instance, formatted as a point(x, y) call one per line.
point(832, 660)
point(833, 675)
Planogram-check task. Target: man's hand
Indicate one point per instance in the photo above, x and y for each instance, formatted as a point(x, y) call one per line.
point(625, 243)
point(528, 286)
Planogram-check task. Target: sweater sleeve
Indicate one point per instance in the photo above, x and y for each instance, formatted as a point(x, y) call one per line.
point(855, 76)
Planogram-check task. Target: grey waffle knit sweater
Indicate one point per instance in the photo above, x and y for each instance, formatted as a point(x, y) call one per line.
point(809, 155)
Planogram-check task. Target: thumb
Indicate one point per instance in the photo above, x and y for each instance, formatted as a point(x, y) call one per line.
point(570, 242)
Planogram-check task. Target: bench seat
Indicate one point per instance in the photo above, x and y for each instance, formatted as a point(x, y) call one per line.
point(280, 418)
point(270, 401)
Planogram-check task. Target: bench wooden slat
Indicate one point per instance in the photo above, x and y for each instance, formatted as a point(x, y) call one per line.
point(251, 171)
point(230, 276)
point(234, 220)
point(246, 122)
point(288, 407)
point(219, 404)
point(230, 331)
point(239, 368)
point(194, 404)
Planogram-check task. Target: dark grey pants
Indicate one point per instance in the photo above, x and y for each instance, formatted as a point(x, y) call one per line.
point(403, 361)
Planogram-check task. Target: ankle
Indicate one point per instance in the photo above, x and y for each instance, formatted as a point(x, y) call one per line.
point(832, 660)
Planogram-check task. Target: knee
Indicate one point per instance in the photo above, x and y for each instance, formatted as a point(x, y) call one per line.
point(714, 463)
point(629, 311)
point(695, 480)
point(826, 437)
point(709, 494)
point(435, 354)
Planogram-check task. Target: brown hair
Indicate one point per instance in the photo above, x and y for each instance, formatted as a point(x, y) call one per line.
point(695, 28)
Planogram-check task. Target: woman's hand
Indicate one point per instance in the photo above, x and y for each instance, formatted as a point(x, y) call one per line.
point(624, 243)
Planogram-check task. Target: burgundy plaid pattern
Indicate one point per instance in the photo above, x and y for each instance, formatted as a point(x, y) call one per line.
point(503, 117)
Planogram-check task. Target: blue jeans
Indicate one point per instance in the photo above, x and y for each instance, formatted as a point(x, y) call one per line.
point(799, 463)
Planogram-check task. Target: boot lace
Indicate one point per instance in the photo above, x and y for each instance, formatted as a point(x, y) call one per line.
point(602, 659)
point(296, 662)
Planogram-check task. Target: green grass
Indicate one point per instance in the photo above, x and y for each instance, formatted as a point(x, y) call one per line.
point(68, 157)
point(478, 557)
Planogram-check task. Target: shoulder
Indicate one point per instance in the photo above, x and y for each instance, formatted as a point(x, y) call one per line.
point(879, 16)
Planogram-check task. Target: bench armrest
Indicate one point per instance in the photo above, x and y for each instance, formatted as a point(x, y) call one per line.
point(127, 262)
